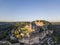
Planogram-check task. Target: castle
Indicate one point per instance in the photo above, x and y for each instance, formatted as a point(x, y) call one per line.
point(37, 31)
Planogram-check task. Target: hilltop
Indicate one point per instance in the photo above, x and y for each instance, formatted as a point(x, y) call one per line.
point(35, 32)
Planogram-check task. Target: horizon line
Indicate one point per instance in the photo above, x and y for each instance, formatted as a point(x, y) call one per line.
point(27, 21)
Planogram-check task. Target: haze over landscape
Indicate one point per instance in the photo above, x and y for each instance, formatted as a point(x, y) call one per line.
point(29, 10)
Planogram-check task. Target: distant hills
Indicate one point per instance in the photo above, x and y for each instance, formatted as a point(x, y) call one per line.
point(55, 23)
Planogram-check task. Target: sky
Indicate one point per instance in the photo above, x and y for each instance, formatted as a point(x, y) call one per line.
point(29, 10)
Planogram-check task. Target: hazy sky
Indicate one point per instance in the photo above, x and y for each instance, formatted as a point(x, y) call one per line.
point(29, 10)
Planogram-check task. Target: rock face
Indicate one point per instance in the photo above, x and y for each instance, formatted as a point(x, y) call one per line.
point(39, 33)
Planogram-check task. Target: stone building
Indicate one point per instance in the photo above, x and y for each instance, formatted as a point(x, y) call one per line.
point(38, 30)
